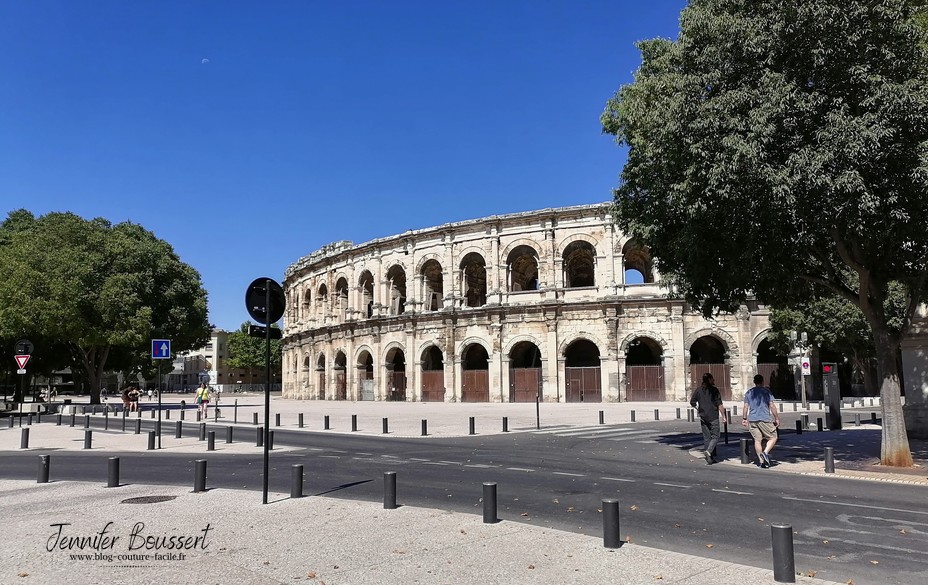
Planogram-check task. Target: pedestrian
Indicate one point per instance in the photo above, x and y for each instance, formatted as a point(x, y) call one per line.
point(202, 398)
point(708, 401)
point(125, 398)
point(134, 399)
point(762, 419)
point(150, 394)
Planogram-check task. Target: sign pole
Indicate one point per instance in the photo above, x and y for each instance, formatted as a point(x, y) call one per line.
point(158, 390)
point(267, 383)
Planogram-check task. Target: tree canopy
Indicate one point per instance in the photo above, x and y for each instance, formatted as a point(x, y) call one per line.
point(248, 353)
point(102, 290)
point(780, 148)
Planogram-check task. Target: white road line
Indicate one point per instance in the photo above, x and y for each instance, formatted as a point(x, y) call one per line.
point(520, 469)
point(617, 479)
point(434, 463)
point(330, 456)
point(450, 462)
point(686, 487)
point(481, 465)
point(630, 434)
point(567, 429)
point(418, 459)
point(856, 505)
point(390, 456)
point(568, 474)
point(594, 431)
point(369, 454)
point(733, 492)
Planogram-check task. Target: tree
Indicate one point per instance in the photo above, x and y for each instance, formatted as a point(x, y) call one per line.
point(778, 148)
point(248, 353)
point(101, 290)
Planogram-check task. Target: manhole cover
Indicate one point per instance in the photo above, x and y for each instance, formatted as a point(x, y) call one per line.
point(148, 500)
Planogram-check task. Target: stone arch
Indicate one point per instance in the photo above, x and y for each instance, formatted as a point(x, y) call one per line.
point(579, 237)
point(473, 267)
point(432, 372)
point(658, 339)
point(637, 257)
point(728, 342)
point(470, 341)
point(431, 273)
point(518, 242)
point(396, 289)
point(516, 339)
point(366, 287)
point(420, 263)
point(522, 265)
point(396, 364)
point(578, 264)
point(569, 340)
point(582, 369)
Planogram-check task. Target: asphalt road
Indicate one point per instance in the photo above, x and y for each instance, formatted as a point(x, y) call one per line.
point(844, 530)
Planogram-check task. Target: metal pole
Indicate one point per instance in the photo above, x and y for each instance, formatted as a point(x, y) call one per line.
point(211, 441)
point(470, 426)
point(611, 524)
point(505, 424)
point(179, 432)
point(259, 440)
point(389, 490)
point(425, 427)
point(386, 425)
point(44, 464)
point(633, 416)
point(784, 564)
point(228, 434)
point(657, 414)
point(24, 439)
point(798, 427)
point(235, 412)
point(158, 428)
point(296, 481)
point(538, 409)
point(276, 419)
point(744, 451)
point(829, 459)
point(151, 440)
point(113, 475)
point(602, 416)
point(325, 422)
point(267, 386)
point(88, 438)
point(199, 478)
point(489, 503)
point(300, 420)
point(354, 423)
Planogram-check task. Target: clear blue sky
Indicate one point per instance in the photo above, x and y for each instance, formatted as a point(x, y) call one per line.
point(249, 134)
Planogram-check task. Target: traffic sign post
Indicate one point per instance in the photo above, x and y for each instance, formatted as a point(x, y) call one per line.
point(160, 350)
point(806, 366)
point(22, 351)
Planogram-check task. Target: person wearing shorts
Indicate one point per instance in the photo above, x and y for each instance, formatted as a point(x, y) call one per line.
point(762, 419)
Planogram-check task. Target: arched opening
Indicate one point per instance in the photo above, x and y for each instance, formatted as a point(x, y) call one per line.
point(579, 263)
point(582, 372)
point(366, 284)
point(475, 365)
point(365, 367)
point(293, 307)
point(320, 377)
point(708, 355)
point(474, 280)
point(637, 258)
point(306, 305)
point(433, 375)
point(396, 287)
point(396, 375)
point(644, 372)
point(524, 372)
point(522, 269)
point(341, 376)
point(341, 298)
point(777, 373)
point(322, 300)
point(432, 287)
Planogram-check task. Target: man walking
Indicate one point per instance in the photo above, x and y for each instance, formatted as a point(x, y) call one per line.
point(708, 401)
point(762, 419)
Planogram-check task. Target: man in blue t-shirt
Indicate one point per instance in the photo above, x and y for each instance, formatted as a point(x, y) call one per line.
point(762, 418)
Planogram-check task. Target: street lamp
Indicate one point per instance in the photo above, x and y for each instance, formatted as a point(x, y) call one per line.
point(801, 341)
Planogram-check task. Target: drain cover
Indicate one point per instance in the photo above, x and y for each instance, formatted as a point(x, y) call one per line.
point(148, 500)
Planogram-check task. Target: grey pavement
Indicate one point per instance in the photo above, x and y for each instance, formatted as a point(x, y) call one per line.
point(322, 540)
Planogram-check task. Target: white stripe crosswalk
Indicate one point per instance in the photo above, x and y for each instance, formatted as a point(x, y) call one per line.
point(621, 433)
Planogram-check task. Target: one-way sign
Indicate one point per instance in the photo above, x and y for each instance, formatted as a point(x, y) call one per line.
point(160, 349)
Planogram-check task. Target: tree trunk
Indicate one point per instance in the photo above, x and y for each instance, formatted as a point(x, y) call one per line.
point(895, 444)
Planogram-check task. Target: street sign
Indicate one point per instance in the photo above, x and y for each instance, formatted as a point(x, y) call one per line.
point(261, 332)
point(21, 361)
point(806, 366)
point(23, 347)
point(256, 299)
point(20, 371)
point(160, 349)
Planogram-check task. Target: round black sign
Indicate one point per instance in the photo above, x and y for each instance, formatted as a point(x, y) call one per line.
point(256, 301)
point(23, 347)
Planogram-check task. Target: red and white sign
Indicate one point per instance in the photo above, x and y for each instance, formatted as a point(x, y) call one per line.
point(806, 366)
point(22, 360)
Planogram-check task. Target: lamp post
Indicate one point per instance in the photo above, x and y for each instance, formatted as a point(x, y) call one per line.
point(801, 342)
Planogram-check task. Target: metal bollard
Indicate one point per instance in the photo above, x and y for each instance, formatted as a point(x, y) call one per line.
point(58, 422)
point(113, 472)
point(873, 418)
point(602, 419)
point(138, 426)
point(182, 413)
point(386, 425)
point(235, 412)
point(167, 414)
point(11, 422)
point(106, 420)
point(228, 434)
point(489, 503)
point(216, 413)
point(88, 439)
point(505, 424)
point(86, 421)
point(389, 490)
point(745, 456)
point(211, 441)
point(354, 423)
point(795, 407)
point(805, 421)
point(633, 416)
point(784, 564)
point(829, 459)
point(270, 440)
point(726, 432)
point(296, 481)
point(24, 439)
point(202, 431)
point(678, 414)
point(45, 462)
point(72, 418)
point(254, 419)
point(153, 413)
point(124, 420)
point(798, 427)
point(276, 419)
point(259, 442)
point(199, 416)
point(856, 419)
point(325, 423)
point(425, 427)
point(178, 430)
point(657, 414)
point(199, 478)
point(299, 420)
point(611, 537)
point(818, 424)
point(470, 426)
point(690, 415)
point(151, 440)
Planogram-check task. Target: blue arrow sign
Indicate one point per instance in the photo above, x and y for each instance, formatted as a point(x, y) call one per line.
point(160, 349)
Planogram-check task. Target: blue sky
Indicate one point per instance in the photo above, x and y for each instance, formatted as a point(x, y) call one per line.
point(249, 134)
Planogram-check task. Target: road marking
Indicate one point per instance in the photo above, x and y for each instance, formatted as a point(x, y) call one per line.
point(568, 474)
point(390, 456)
point(520, 469)
point(434, 463)
point(418, 459)
point(733, 492)
point(856, 505)
point(450, 462)
point(591, 431)
point(481, 465)
point(673, 485)
point(617, 479)
point(330, 457)
point(369, 454)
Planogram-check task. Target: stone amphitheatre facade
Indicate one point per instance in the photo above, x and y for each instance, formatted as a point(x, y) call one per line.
point(505, 309)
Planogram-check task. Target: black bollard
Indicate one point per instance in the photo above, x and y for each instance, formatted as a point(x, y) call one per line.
point(202, 431)
point(354, 423)
point(818, 424)
point(199, 416)
point(113, 472)
point(726, 432)
point(386, 425)
point(270, 440)
point(611, 537)
point(106, 420)
point(489, 503)
point(856, 419)
point(24, 439)
point(470, 426)
point(124, 420)
point(389, 490)
point(58, 422)
point(829, 459)
point(29, 420)
point(235, 412)
point(228, 434)
point(425, 427)
point(86, 421)
point(296, 481)
point(199, 478)
point(873, 418)
point(805, 421)
point(259, 441)
point(690, 415)
point(745, 456)
point(254, 419)
point(678, 414)
point(88, 438)
point(325, 422)
point(211, 441)
point(44, 464)
point(277, 419)
point(153, 413)
point(138, 426)
point(151, 440)
point(167, 414)
point(299, 420)
point(784, 564)
point(11, 422)
point(72, 418)
point(178, 430)
point(657, 414)
point(798, 427)
point(633, 416)
point(602, 417)
point(505, 424)
point(182, 412)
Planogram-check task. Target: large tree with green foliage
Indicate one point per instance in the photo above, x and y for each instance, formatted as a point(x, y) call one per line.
point(780, 148)
point(249, 353)
point(101, 290)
